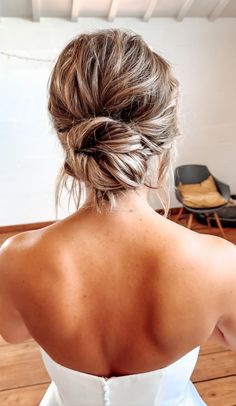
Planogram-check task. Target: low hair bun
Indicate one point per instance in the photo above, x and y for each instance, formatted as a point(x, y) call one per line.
point(106, 154)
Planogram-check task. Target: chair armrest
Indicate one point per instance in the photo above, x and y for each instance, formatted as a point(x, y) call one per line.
point(223, 188)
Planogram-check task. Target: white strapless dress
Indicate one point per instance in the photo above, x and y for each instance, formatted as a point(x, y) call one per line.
point(168, 386)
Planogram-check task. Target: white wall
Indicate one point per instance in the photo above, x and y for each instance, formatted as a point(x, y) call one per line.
point(203, 55)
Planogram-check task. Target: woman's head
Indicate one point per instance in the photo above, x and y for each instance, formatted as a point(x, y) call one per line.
point(112, 101)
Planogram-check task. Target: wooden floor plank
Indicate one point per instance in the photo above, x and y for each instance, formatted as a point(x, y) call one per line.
point(219, 392)
point(17, 362)
point(210, 347)
point(215, 365)
point(27, 396)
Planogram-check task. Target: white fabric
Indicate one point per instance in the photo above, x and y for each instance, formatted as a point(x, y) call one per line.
point(169, 386)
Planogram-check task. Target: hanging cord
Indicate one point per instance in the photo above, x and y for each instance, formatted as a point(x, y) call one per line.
point(26, 58)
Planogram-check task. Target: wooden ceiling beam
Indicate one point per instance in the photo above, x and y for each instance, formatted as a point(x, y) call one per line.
point(217, 11)
point(150, 8)
point(36, 10)
point(75, 10)
point(113, 10)
point(183, 12)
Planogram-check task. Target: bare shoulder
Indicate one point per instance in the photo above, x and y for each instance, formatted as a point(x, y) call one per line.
point(191, 269)
point(219, 266)
point(212, 251)
point(11, 250)
point(207, 262)
point(24, 239)
point(13, 255)
point(17, 254)
point(14, 247)
point(215, 258)
point(20, 276)
point(225, 269)
point(222, 255)
point(216, 242)
point(218, 259)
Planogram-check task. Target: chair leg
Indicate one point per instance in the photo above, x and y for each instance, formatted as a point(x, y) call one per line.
point(190, 220)
point(217, 219)
point(180, 212)
point(208, 221)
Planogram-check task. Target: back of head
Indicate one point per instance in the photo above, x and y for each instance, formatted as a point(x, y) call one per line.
point(112, 101)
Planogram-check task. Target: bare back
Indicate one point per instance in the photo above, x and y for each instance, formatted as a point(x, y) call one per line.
point(115, 296)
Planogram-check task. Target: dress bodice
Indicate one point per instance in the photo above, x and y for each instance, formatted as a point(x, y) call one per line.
point(168, 386)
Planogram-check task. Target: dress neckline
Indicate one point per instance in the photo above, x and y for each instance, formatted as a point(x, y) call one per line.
point(104, 378)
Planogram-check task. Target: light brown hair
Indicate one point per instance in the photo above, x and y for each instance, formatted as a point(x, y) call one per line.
point(112, 101)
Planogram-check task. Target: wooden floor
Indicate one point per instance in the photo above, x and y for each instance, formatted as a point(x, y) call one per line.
point(23, 378)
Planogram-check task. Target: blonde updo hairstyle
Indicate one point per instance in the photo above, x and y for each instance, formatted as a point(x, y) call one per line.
point(112, 101)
